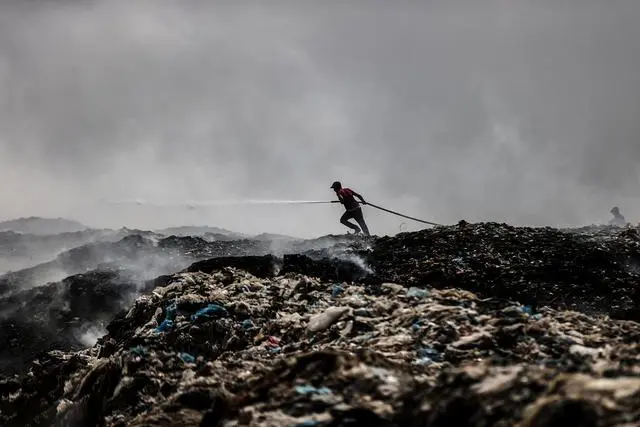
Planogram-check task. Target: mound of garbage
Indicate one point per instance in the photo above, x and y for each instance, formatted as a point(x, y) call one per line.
point(231, 349)
point(594, 270)
point(68, 313)
point(474, 324)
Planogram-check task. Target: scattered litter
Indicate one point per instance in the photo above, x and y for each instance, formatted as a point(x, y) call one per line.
point(138, 350)
point(187, 358)
point(273, 341)
point(309, 423)
point(337, 290)
point(322, 321)
point(308, 389)
point(429, 353)
point(247, 324)
point(165, 326)
point(171, 311)
point(417, 293)
point(209, 311)
point(527, 309)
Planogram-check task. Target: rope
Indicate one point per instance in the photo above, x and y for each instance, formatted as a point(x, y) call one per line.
point(396, 213)
point(402, 215)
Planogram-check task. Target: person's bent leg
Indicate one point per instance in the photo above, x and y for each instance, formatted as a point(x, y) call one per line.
point(359, 217)
point(344, 220)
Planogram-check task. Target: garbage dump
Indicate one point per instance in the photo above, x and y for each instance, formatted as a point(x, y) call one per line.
point(104, 277)
point(437, 328)
point(594, 269)
point(231, 349)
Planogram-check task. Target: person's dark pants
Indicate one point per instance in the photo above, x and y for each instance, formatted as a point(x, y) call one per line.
point(357, 215)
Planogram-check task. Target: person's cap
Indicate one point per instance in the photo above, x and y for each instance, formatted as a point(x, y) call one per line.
point(336, 184)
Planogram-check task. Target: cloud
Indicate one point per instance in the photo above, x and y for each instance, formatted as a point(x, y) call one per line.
point(521, 111)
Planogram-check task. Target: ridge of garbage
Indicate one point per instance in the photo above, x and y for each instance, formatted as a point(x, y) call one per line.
point(380, 339)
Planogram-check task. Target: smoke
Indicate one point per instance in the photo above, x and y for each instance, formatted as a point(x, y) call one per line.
point(352, 257)
point(356, 260)
point(89, 335)
point(522, 111)
point(339, 248)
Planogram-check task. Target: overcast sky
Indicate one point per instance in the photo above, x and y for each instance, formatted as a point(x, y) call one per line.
point(523, 111)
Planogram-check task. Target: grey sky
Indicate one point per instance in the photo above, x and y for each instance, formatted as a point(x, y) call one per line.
point(525, 111)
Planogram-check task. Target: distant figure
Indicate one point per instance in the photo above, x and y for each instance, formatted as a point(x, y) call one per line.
point(618, 219)
point(346, 196)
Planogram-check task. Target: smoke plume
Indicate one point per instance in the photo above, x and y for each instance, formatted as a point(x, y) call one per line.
point(522, 111)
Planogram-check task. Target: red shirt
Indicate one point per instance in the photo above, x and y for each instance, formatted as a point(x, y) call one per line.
point(348, 200)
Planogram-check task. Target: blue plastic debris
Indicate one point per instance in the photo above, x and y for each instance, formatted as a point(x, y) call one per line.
point(527, 309)
point(247, 324)
point(308, 423)
point(417, 292)
point(423, 361)
point(416, 325)
point(431, 353)
point(165, 326)
point(337, 290)
point(309, 389)
point(138, 350)
point(187, 358)
point(209, 311)
point(171, 312)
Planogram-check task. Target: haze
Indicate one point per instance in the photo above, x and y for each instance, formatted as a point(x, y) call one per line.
point(523, 111)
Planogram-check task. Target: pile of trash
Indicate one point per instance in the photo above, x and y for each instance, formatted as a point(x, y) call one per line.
point(64, 313)
point(474, 324)
point(594, 270)
point(227, 348)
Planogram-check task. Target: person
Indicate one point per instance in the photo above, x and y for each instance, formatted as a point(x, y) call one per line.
point(618, 219)
point(347, 197)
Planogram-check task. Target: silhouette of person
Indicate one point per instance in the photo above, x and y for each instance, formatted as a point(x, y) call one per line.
point(347, 197)
point(617, 219)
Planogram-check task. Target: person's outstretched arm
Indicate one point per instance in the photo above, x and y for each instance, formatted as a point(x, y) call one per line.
point(360, 197)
